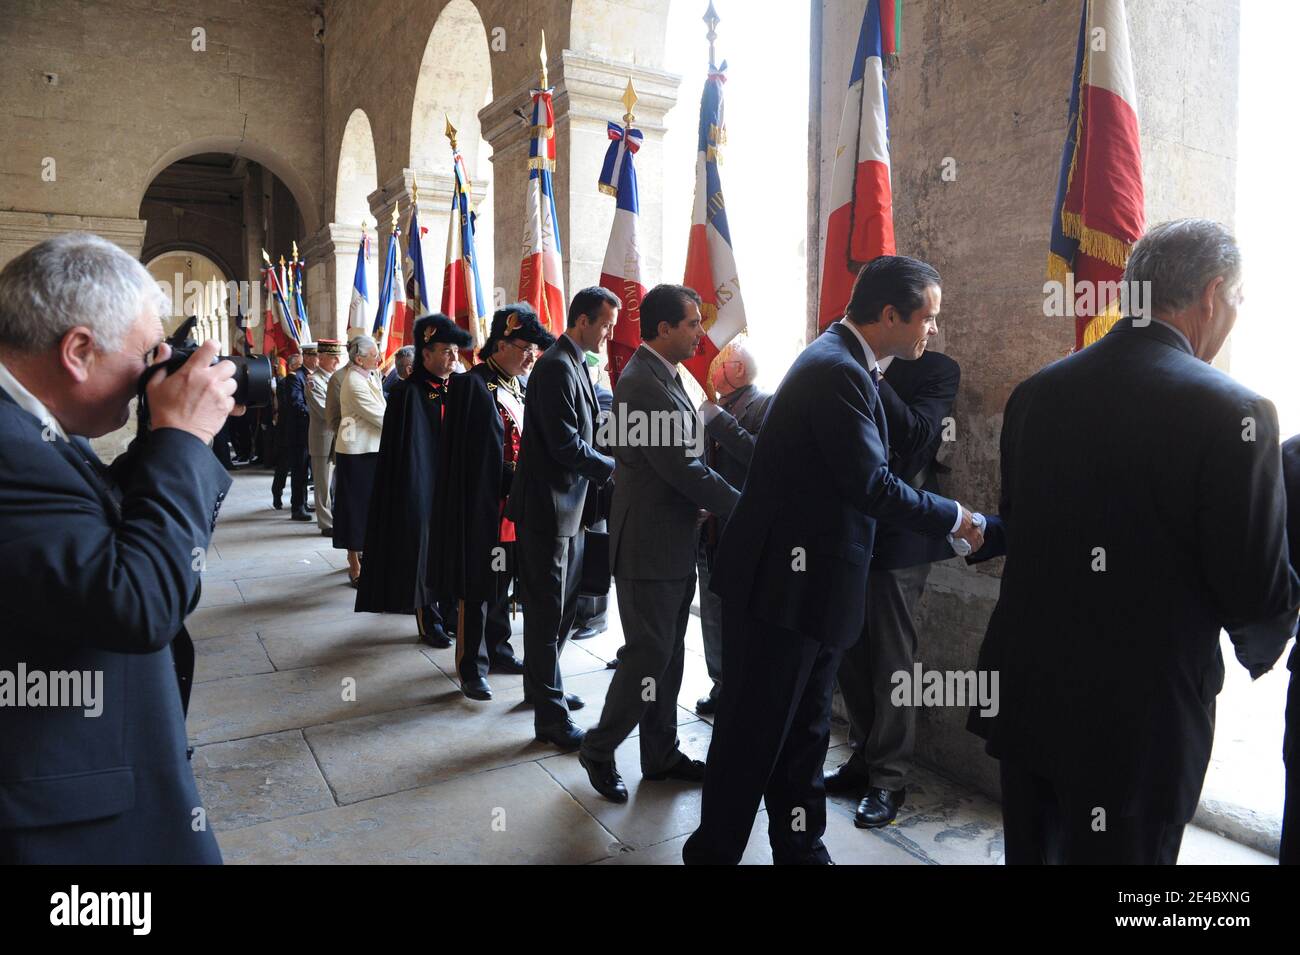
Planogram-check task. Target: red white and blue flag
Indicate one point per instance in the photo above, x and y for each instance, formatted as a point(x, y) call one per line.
point(1099, 211)
point(541, 273)
point(390, 319)
point(360, 292)
point(304, 323)
point(623, 270)
point(417, 289)
point(710, 260)
point(861, 224)
point(286, 335)
point(462, 290)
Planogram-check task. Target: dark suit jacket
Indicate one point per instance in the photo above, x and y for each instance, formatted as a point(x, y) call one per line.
point(293, 409)
point(917, 396)
point(796, 549)
point(557, 462)
point(1108, 678)
point(659, 488)
point(733, 433)
point(101, 568)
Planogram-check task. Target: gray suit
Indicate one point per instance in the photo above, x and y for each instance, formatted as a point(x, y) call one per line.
point(320, 442)
point(654, 527)
point(558, 472)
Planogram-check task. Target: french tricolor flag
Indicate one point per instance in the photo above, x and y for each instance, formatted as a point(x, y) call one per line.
point(360, 292)
point(541, 273)
point(861, 224)
point(1099, 211)
point(710, 261)
point(390, 320)
point(462, 290)
point(623, 273)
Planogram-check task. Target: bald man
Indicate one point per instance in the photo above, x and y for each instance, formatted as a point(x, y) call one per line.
point(732, 416)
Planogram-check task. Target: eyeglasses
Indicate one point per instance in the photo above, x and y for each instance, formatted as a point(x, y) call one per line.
point(528, 350)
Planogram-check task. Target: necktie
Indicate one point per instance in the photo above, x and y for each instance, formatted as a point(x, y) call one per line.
point(875, 376)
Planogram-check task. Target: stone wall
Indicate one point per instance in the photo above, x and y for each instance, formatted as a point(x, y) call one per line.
point(988, 84)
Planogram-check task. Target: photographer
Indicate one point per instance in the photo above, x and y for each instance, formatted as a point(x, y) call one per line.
point(102, 563)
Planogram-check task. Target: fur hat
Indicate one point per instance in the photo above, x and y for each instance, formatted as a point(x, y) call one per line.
point(516, 321)
point(436, 327)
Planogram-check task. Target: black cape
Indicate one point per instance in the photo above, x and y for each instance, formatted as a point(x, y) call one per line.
point(398, 572)
point(469, 500)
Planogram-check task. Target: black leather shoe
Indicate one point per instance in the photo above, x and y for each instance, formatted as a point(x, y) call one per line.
point(574, 701)
point(686, 769)
point(706, 706)
point(565, 735)
point(513, 665)
point(848, 777)
point(327, 532)
point(277, 503)
point(586, 633)
point(437, 638)
point(612, 664)
point(301, 516)
point(879, 807)
point(604, 778)
point(477, 689)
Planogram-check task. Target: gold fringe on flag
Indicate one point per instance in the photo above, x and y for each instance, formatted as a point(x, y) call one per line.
point(546, 131)
point(1057, 268)
point(541, 162)
point(1099, 325)
point(608, 190)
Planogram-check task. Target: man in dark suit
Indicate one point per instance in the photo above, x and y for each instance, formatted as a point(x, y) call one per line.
point(731, 416)
point(661, 485)
point(1143, 511)
point(917, 396)
point(792, 566)
point(1289, 853)
point(102, 564)
point(553, 501)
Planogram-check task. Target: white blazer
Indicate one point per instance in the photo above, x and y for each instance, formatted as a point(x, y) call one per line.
point(361, 412)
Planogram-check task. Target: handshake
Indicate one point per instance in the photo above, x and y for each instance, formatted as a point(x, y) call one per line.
point(969, 535)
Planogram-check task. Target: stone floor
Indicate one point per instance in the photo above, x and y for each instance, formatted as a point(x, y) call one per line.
point(326, 736)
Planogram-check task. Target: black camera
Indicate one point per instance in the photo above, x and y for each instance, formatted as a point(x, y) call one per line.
point(252, 375)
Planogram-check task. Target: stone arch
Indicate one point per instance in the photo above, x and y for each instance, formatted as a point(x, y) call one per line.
point(357, 174)
point(308, 206)
point(455, 81)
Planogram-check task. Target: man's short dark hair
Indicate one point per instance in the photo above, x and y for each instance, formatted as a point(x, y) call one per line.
point(588, 302)
point(665, 303)
point(895, 280)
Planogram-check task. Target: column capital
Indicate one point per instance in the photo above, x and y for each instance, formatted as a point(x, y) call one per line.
point(587, 87)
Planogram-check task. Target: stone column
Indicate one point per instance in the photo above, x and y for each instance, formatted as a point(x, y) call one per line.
point(588, 94)
point(331, 256)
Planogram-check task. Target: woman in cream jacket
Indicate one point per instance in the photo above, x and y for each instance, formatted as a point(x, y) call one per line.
point(356, 448)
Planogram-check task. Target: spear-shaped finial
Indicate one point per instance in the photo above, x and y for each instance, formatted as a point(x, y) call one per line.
point(394, 215)
point(711, 18)
point(266, 258)
point(295, 251)
point(545, 84)
point(450, 132)
point(629, 100)
point(282, 261)
point(415, 189)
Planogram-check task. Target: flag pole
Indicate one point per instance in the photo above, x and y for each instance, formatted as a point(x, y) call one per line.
point(711, 18)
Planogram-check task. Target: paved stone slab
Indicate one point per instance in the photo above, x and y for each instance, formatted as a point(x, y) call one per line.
point(451, 822)
point(219, 593)
point(249, 781)
point(243, 568)
point(238, 654)
point(309, 598)
point(655, 811)
point(315, 641)
point(270, 702)
point(387, 752)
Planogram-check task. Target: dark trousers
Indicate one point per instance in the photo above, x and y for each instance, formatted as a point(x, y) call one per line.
point(710, 618)
point(592, 611)
point(483, 632)
point(654, 614)
point(550, 569)
point(883, 735)
point(440, 614)
point(1290, 850)
point(1044, 824)
point(769, 742)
